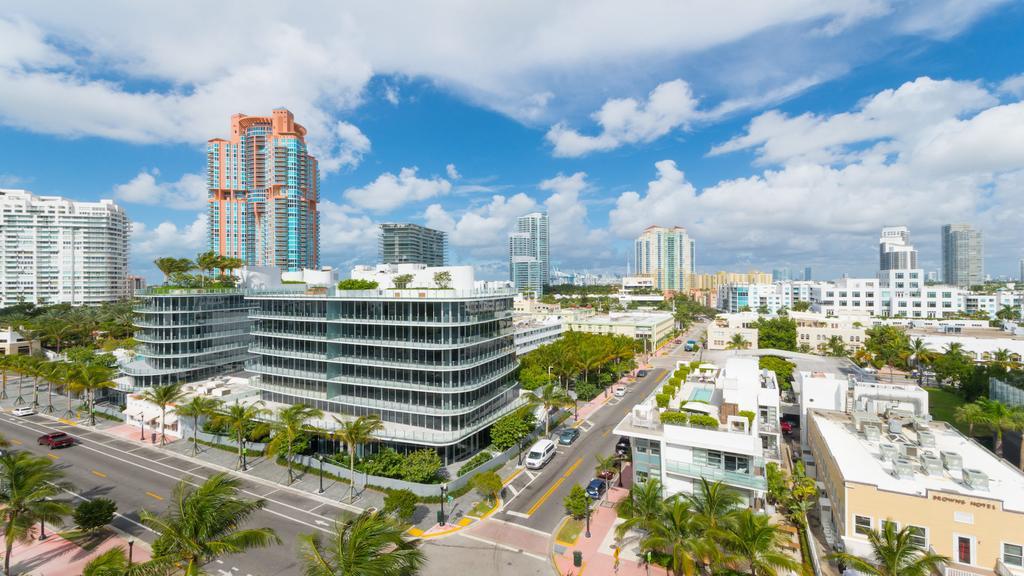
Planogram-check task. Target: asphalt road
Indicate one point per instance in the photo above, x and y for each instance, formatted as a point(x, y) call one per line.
point(137, 477)
point(535, 497)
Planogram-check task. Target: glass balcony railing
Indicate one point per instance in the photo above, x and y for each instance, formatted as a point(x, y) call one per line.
point(717, 474)
point(418, 365)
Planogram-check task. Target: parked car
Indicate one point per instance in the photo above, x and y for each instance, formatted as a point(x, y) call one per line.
point(568, 436)
point(620, 391)
point(622, 446)
point(56, 440)
point(786, 427)
point(641, 373)
point(23, 411)
point(540, 454)
point(597, 488)
point(606, 475)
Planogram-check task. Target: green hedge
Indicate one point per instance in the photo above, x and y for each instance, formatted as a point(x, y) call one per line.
point(668, 389)
point(227, 448)
point(703, 420)
point(678, 418)
point(749, 415)
point(475, 461)
point(662, 400)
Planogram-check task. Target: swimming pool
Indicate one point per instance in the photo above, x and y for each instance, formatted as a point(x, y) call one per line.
point(701, 395)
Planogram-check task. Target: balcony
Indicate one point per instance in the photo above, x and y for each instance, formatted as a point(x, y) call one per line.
point(717, 474)
point(416, 365)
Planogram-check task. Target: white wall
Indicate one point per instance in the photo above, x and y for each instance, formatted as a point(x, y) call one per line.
point(463, 277)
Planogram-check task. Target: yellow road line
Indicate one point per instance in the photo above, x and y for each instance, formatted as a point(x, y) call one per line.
point(152, 495)
point(606, 432)
point(54, 456)
point(68, 422)
point(16, 442)
point(554, 487)
point(513, 476)
point(98, 473)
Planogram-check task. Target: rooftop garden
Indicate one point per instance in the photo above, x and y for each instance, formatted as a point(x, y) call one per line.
point(185, 273)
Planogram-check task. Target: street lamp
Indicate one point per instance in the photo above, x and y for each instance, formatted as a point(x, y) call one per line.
point(521, 450)
point(131, 545)
point(320, 457)
point(618, 463)
point(588, 518)
point(444, 496)
point(142, 427)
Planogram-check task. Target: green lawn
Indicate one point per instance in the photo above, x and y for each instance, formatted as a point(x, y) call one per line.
point(482, 507)
point(942, 405)
point(570, 531)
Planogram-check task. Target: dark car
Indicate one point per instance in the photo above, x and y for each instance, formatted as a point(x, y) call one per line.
point(568, 436)
point(56, 440)
point(641, 373)
point(622, 446)
point(596, 488)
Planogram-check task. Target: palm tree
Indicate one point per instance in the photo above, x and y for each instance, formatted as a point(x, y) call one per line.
point(202, 523)
point(970, 414)
point(605, 464)
point(549, 396)
point(206, 262)
point(196, 408)
point(372, 544)
point(355, 433)
point(999, 417)
point(28, 366)
point(113, 562)
point(835, 346)
point(30, 486)
point(289, 430)
point(239, 419)
point(56, 373)
point(758, 542)
point(1008, 312)
point(954, 348)
point(1002, 358)
point(643, 506)
point(168, 265)
point(676, 534)
point(737, 342)
point(89, 378)
point(6, 363)
point(162, 397)
point(56, 330)
point(714, 504)
point(920, 352)
point(894, 553)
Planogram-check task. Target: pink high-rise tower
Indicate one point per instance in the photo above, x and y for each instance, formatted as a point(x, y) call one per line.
point(264, 186)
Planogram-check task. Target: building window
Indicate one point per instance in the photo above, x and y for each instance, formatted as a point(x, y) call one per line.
point(919, 536)
point(641, 477)
point(862, 525)
point(1013, 555)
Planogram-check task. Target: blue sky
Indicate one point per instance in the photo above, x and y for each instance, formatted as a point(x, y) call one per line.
point(781, 135)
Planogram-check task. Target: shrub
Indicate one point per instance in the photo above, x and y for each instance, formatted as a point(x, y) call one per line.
point(94, 514)
point(387, 463)
point(509, 429)
point(487, 484)
point(662, 400)
point(586, 391)
point(703, 420)
point(421, 466)
point(474, 462)
point(353, 284)
point(678, 418)
point(668, 390)
point(259, 432)
point(674, 381)
point(749, 415)
point(401, 503)
point(215, 426)
point(577, 502)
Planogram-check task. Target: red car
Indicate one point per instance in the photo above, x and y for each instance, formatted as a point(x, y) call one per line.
point(56, 440)
point(786, 427)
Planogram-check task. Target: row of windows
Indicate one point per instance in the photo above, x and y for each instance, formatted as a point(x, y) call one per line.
point(1012, 554)
point(399, 376)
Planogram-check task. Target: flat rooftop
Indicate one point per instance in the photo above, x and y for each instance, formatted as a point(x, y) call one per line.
point(981, 333)
point(633, 318)
point(860, 460)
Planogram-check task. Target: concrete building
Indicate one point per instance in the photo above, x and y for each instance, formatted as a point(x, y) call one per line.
point(264, 188)
point(740, 297)
point(743, 402)
point(14, 344)
point(781, 275)
point(817, 330)
point(187, 335)
point(667, 255)
point(808, 273)
point(895, 252)
point(963, 256)
point(460, 278)
point(529, 259)
point(412, 244)
point(135, 283)
point(725, 327)
point(978, 344)
point(58, 251)
point(532, 333)
point(437, 366)
point(960, 500)
point(145, 416)
point(653, 328)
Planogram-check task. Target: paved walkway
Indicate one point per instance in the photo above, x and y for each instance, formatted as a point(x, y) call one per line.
point(56, 556)
point(599, 550)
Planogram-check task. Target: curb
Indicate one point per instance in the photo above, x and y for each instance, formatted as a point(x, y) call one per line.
point(218, 467)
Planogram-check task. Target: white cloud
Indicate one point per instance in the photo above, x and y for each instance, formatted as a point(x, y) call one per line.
point(187, 193)
point(389, 191)
point(177, 75)
point(627, 121)
point(1013, 85)
point(11, 180)
point(482, 230)
point(391, 94)
point(453, 173)
point(352, 144)
point(345, 235)
point(571, 233)
point(168, 239)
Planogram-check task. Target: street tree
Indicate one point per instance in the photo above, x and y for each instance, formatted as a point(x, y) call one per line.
point(754, 540)
point(197, 407)
point(30, 488)
point(291, 432)
point(488, 484)
point(372, 544)
point(240, 419)
point(894, 553)
point(163, 396)
point(355, 433)
point(548, 397)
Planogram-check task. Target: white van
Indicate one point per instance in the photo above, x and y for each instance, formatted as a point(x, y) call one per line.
point(540, 454)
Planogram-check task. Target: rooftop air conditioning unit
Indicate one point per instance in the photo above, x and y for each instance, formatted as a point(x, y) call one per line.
point(895, 426)
point(888, 452)
point(975, 479)
point(926, 438)
point(903, 468)
point(952, 461)
point(872, 433)
point(931, 464)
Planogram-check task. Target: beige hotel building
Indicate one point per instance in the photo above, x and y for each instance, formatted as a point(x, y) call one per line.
point(963, 501)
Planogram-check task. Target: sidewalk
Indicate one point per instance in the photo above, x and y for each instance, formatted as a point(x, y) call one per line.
point(57, 556)
point(599, 550)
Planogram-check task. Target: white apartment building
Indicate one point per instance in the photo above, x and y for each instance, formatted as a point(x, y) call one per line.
point(847, 296)
point(734, 451)
point(666, 255)
point(724, 327)
point(461, 278)
point(992, 303)
point(533, 332)
point(817, 330)
point(652, 328)
point(738, 297)
point(529, 254)
point(54, 250)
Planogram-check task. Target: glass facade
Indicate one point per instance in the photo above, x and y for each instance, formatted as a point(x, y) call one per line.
point(188, 335)
point(438, 370)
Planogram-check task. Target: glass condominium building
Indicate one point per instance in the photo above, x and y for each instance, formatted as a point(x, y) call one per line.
point(437, 366)
point(264, 187)
point(187, 335)
point(963, 256)
point(529, 261)
point(412, 244)
point(667, 255)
